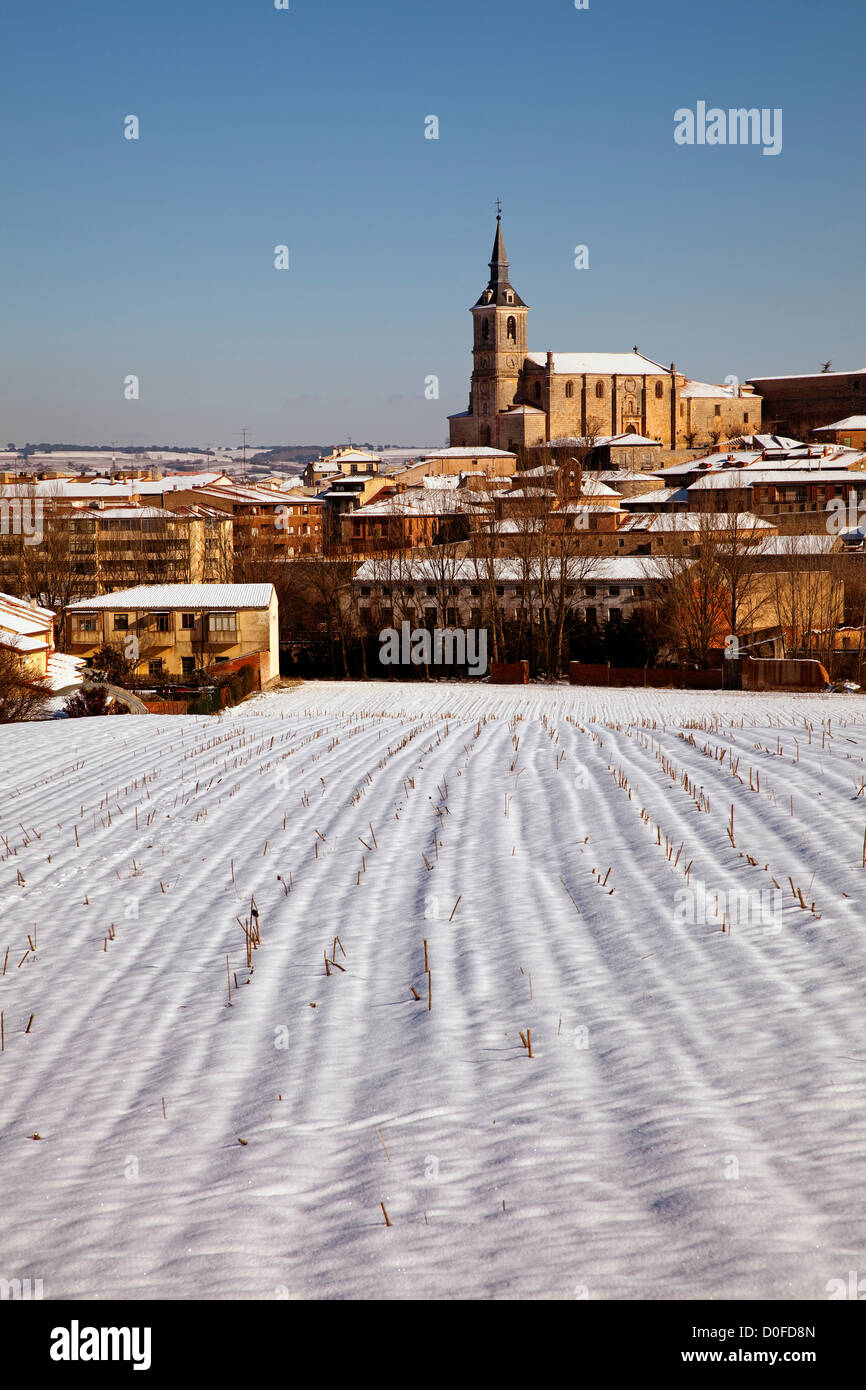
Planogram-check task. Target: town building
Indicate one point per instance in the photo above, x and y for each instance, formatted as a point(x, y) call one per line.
point(800, 404)
point(175, 630)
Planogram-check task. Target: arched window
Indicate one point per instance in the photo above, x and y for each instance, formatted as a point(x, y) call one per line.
point(660, 390)
point(511, 329)
point(538, 390)
point(485, 328)
point(569, 389)
point(599, 389)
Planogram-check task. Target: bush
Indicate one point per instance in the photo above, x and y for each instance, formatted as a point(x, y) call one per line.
point(90, 700)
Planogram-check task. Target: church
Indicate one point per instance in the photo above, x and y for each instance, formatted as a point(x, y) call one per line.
point(520, 399)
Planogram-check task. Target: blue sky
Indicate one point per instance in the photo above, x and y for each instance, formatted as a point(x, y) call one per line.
point(305, 127)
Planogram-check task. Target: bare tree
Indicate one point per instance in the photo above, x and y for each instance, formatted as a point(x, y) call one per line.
point(21, 696)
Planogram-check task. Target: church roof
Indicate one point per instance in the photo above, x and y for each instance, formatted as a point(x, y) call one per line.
point(599, 363)
point(499, 288)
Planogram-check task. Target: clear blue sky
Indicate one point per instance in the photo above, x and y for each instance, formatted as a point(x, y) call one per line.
point(305, 127)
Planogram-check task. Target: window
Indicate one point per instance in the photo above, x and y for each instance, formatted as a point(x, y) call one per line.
point(599, 389)
point(87, 623)
point(538, 390)
point(223, 622)
point(365, 590)
point(451, 617)
point(162, 622)
point(154, 668)
point(475, 616)
point(187, 621)
point(660, 390)
point(589, 590)
point(121, 622)
point(717, 410)
point(569, 389)
point(431, 591)
point(485, 329)
point(591, 616)
point(187, 665)
point(474, 590)
point(511, 329)
point(613, 590)
point(746, 418)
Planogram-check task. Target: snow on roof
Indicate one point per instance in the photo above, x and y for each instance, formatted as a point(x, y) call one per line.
point(591, 486)
point(150, 596)
point(851, 422)
point(712, 462)
point(798, 545)
point(20, 642)
point(478, 451)
point(523, 410)
point(602, 441)
point(749, 477)
point(617, 568)
point(623, 475)
point(695, 521)
point(706, 389)
point(17, 615)
point(626, 440)
point(807, 376)
point(63, 670)
point(599, 363)
point(662, 494)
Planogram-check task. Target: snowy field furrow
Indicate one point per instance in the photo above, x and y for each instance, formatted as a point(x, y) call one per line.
point(662, 891)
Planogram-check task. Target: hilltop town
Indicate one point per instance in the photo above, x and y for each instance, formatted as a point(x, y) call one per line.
point(592, 512)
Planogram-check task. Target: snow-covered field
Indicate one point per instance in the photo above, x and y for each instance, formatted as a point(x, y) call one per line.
point(691, 1122)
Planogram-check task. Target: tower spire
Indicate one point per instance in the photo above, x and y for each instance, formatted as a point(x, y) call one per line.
point(499, 287)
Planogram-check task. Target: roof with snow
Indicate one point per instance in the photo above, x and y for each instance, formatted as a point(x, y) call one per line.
point(17, 615)
point(695, 521)
point(585, 570)
point(851, 422)
point(706, 390)
point(599, 364)
point(479, 451)
point(187, 596)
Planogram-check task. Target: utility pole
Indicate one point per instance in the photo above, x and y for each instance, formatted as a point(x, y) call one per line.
point(243, 433)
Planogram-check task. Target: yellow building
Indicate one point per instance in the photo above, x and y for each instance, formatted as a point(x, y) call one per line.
point(178, 629)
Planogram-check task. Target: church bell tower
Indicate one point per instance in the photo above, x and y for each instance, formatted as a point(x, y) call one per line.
point(499, 346)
